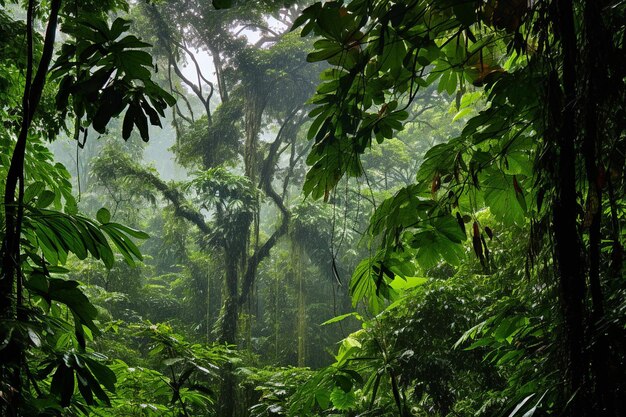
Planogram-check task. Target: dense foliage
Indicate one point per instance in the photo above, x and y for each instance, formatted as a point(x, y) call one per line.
point(351, 208)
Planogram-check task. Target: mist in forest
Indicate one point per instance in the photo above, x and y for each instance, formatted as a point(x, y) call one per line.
point(297, 208)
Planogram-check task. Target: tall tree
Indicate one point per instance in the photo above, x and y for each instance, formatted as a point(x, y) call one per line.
point(260, 84)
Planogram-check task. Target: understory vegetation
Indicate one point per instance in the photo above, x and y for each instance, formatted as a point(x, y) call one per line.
point(296, 208)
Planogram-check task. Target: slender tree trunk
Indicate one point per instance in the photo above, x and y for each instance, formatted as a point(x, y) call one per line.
point(219, 74)
point(276, 316)
point(208, 307)
point(11, 277)
point(228, 334)
point(597, 89)
point(301, 326)
point(567, 243)
point(255, 106)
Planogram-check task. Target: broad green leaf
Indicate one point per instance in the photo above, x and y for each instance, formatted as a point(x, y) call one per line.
point(103, 215)
point(322, 397)
point(502, 199)
point(33, 190)
point(325, 54)
point(363, 282)
point(138, 234)
point(45, 198)
point(94, 385)
point(407, 283)
point(63, 384)
point(342, 400)
point(103, 374)
point(67, 292)
point(118, 27)
point(433, 246)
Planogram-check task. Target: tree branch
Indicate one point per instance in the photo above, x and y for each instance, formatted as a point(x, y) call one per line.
point(181, 206)
point(267, 173)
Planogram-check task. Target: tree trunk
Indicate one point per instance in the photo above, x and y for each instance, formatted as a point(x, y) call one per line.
point(298, 265)
point(219, 74)
point(597, 45)
point(228, 334)
point(11, 279)
point(254, 111)
point(568, 247)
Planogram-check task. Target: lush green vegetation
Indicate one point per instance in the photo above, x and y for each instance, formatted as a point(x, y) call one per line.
point(299, 208)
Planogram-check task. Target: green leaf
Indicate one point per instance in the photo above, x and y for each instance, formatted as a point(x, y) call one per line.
point(67, 292)
point(94, 386)
point(37, 282)
point(129, 120)
point(126, 246)
point(433, 246)
point(448, 226)
point(63, 384)
point(71, 206)
point(317, 123)
point(142, 124)
point(343, 382)
point(155, 120)
point(407, 283)
point(135, 63)
point(33, 190)
point(85, 389)
point(322, 397)
point(111, 104)
point(363, 283)
point(138, 234)
point(103, 374)
point(342, 400)
point(222, 4)
point(325, 54)
point(118, 27)
point(103, 216)
point(342, 317)
point(502, 199)
point(45, 198)
point(131, 41)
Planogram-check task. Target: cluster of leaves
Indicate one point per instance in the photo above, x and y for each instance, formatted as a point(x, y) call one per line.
point(382, 53)
point(274, 387)
point(177, 377)
point(381, 62)
point(49, 237)
point(215, 145)
point(54, 319)
point(232, 196)
point(414, 355)
point(104, 74)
